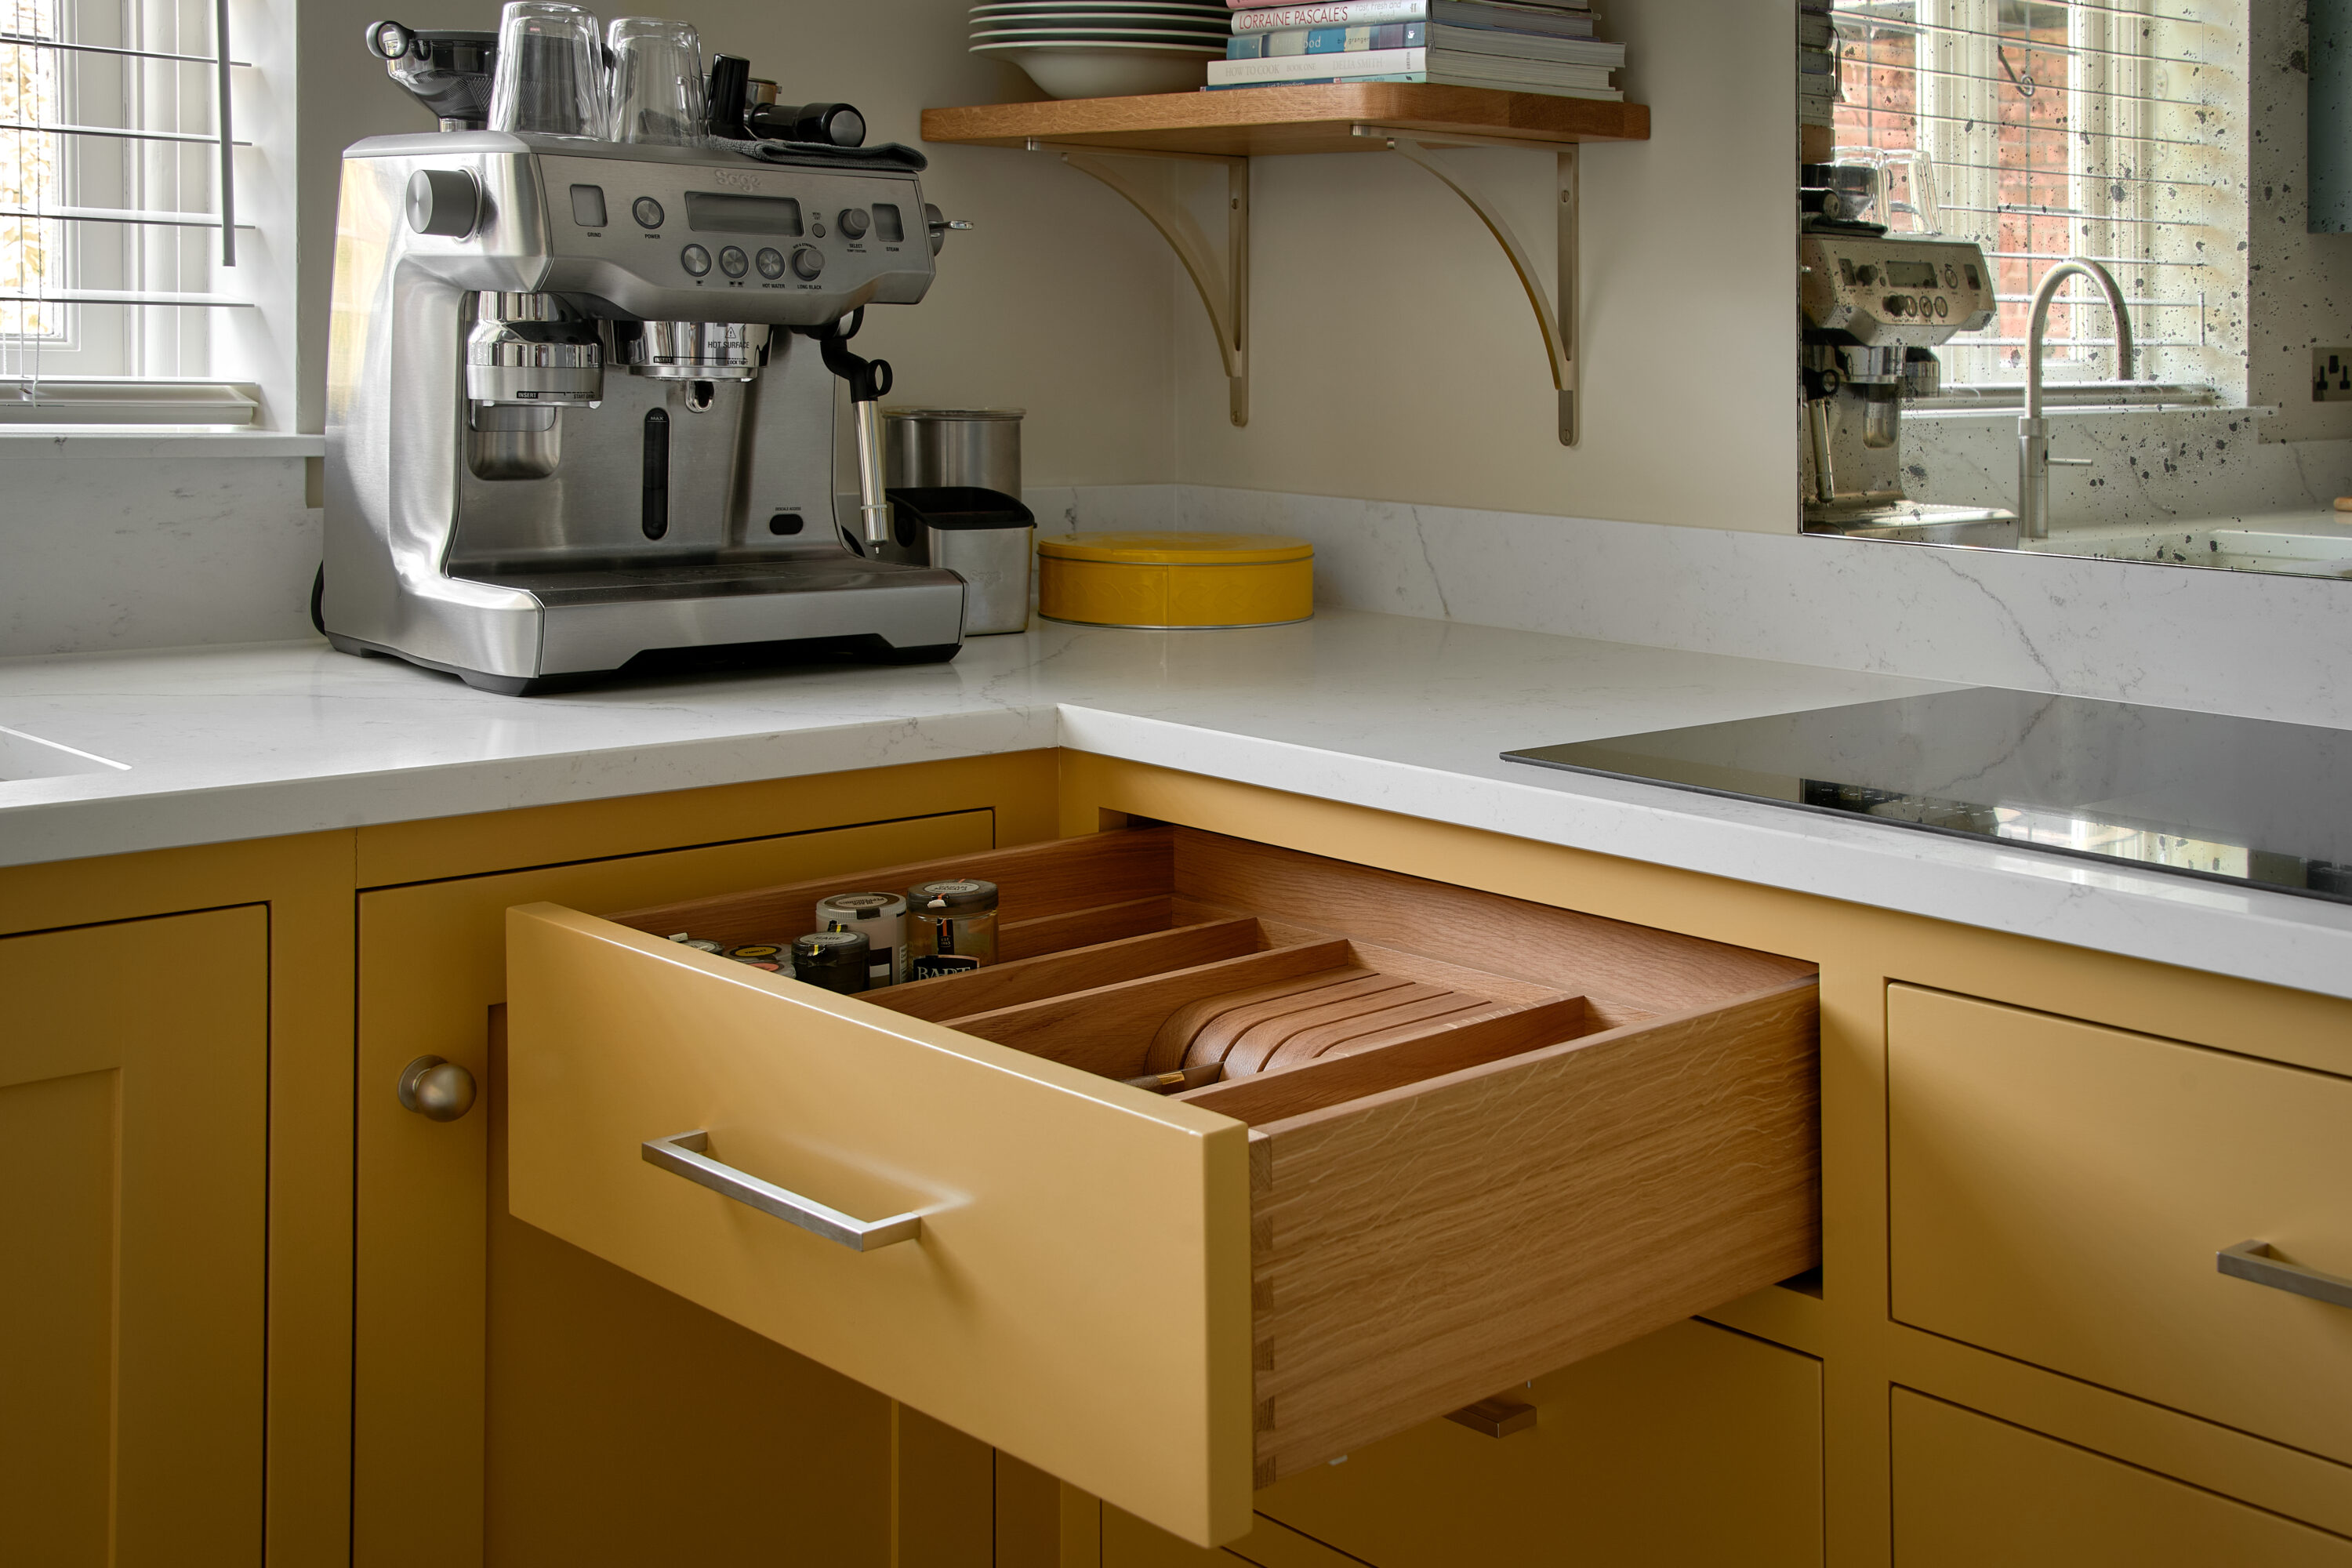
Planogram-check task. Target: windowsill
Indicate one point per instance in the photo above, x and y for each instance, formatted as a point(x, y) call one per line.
point(2098, 411)
point(153, 441)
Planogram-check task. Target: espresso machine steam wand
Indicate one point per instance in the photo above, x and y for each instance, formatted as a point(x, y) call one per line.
point(870, 381)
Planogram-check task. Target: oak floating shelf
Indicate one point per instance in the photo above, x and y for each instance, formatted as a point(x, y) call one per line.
point(1413, 120)
point(1251, 122)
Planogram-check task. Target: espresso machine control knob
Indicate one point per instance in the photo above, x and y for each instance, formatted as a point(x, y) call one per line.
point(854, 223)
point(807, 262)
point(446, 202)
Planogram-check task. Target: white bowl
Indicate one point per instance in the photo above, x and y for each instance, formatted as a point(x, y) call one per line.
point(1120, 36)
point(1079, 22)
point(1091, 17)
point(1097, 70)
point(1216, 14)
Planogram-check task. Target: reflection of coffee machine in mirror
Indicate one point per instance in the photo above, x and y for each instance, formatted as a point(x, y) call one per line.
point(1875, 306)
point(581, 398)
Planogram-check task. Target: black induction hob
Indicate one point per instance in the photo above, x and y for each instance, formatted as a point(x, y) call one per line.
point(2244, 801)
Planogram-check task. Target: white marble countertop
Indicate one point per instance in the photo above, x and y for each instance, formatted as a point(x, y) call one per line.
point(1400, 714)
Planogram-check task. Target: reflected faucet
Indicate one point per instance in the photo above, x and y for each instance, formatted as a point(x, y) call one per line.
point(2033, 458)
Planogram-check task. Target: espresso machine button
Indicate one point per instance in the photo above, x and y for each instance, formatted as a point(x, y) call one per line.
point(1865, 274)
point(771, 262)
point(446, 202)
point(854, 223)
point(648, 212)
point(1898, 304)
point(733, 262)
point(695, 260)
point(807, 261)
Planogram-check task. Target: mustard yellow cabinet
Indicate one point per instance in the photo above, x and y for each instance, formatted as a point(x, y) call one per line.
point(518, 1401)
point(1971, 1490)
point(1694, 1445)
point(133, 1208)
point(2060, 1192)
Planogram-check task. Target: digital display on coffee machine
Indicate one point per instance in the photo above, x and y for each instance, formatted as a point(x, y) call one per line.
point(708, 211)
point(1900, 274)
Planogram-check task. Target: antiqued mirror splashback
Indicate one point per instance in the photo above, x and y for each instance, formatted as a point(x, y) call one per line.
point(2065, 284)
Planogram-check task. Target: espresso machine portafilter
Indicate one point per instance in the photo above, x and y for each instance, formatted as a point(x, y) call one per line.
point(580, 408)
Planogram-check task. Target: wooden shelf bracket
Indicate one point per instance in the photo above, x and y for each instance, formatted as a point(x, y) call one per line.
point(1224, 287)
point(1556, 311)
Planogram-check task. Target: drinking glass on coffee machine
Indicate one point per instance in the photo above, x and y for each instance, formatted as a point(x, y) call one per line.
point(656, 81)
point(551, 71)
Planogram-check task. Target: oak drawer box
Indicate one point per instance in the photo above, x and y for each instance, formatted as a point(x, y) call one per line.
point(1462, 1141)
point(2060, 1193)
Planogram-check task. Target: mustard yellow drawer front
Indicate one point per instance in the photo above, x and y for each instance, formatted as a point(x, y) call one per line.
point(2059, 1191)
point(1404, 1185)
point(1075, 1293)
point(1972, 1492)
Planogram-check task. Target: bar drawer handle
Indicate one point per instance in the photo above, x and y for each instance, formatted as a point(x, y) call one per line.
point(2252, 1261)
point(688, 1155)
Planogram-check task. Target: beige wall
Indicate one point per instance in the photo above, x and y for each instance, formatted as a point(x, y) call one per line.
point(1059, 302)
point(1393, 356)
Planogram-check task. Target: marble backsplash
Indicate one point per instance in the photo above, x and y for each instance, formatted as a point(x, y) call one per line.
point(151, 549)
point(106, 556)
point(2264, 647)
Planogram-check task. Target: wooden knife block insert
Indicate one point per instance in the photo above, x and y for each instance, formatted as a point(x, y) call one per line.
point(1141, 951)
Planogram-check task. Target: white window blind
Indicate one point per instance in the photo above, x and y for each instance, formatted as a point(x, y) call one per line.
point(118, 210)
point(2057, 129)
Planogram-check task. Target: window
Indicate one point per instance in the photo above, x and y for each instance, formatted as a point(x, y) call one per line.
point(119, 275)
point(2056, 128)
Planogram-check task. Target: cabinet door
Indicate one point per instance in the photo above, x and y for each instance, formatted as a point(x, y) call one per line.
point(133, 1152)
point(1971, 1490)
point(1695, 1446)
point(2059, 1191)
point(618, 1411)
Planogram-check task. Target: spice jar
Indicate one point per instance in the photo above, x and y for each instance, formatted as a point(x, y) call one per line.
point(951, 926)
point(833, 960)
point(881, 919)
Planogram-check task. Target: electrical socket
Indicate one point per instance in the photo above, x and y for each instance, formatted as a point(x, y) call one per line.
point(2331, 375)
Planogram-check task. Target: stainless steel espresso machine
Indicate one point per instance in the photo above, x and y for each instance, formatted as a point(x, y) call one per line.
point(577, 422)
point(1875, 306)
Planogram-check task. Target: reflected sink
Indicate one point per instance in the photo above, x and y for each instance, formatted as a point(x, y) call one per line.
point(24, 756)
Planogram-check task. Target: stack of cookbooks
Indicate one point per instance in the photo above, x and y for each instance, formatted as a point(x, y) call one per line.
point(1518, 45)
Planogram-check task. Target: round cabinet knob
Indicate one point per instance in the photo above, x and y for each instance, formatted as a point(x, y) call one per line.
point(437, 1089)
point(807, 262)
point(854, 223)
point(447, 201)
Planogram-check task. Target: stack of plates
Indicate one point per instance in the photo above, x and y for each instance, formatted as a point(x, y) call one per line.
point(1105, 48)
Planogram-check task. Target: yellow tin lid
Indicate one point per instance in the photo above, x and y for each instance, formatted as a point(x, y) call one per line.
point(1177, 549)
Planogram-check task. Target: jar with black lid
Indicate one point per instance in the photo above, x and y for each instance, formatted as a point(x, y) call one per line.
point(834, 960)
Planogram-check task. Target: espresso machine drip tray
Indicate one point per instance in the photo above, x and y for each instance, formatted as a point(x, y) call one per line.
point(709, 580)
point(2251, 802)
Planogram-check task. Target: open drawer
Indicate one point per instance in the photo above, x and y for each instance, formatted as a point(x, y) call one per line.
point(1460, 1140)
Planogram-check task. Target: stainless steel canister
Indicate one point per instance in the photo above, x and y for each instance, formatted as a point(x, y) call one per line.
point(934, 447)
point(965, 450)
